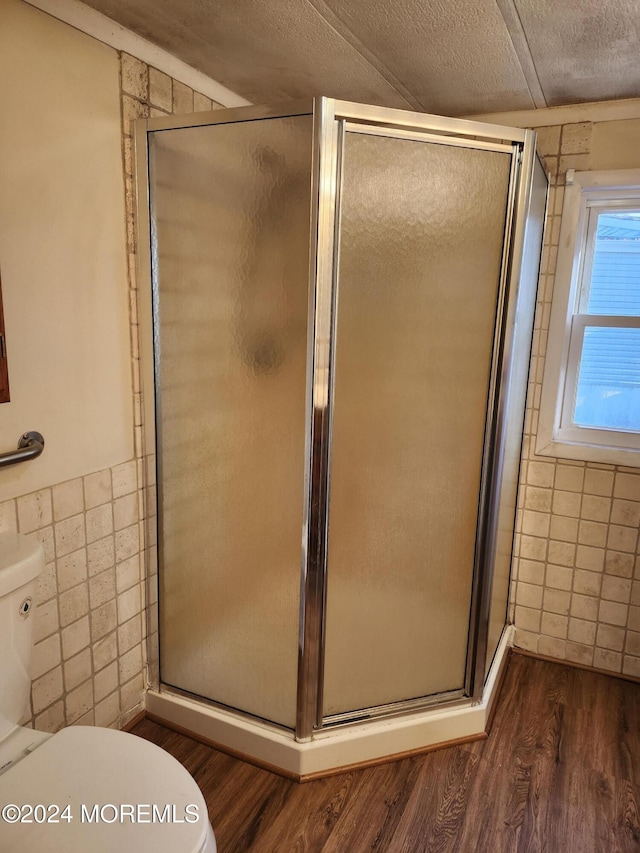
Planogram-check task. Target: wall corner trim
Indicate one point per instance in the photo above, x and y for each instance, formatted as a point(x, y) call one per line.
point(595, 111)
point(97, 25)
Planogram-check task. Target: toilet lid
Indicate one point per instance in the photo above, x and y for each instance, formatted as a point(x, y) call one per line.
point(110, 781)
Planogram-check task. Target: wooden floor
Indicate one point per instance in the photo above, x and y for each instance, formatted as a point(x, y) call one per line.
point(560, 772)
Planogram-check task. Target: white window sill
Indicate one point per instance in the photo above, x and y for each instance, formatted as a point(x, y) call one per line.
point(589, 452)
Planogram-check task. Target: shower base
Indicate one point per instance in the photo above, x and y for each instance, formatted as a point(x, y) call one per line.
point(338, 749)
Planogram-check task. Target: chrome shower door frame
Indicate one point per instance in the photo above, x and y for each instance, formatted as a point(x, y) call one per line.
point(331, 118)
point(334, 118)
point(150, 359)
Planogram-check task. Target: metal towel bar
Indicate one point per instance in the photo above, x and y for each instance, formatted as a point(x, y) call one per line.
point(30, 445)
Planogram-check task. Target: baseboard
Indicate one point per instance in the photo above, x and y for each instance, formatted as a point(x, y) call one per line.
point(338, 750)
point(525, 653)
point(134, 721)
point(387, 759)
point(322, 774)
point(497, 690)
point(234, 753)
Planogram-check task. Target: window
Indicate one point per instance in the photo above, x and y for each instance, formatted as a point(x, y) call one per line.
point(590, 405)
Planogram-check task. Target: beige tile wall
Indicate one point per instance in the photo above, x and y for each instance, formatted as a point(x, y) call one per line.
point(145, 92)
point(576, 573)
point(88, 657)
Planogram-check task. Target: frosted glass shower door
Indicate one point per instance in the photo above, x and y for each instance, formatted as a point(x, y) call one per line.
point(420, 256)
point(230, 216)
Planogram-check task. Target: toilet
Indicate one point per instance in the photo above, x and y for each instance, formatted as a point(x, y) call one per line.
point(83, 788)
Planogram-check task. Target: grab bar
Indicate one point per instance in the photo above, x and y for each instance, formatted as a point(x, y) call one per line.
point(30, 445)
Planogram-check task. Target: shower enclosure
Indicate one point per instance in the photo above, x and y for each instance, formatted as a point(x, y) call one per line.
point(340, 312)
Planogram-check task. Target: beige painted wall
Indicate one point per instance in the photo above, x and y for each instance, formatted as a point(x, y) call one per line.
point(62, 250)
point(615, 144)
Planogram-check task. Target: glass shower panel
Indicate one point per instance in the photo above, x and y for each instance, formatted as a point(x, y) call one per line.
point(230, 206)
point(421, 242)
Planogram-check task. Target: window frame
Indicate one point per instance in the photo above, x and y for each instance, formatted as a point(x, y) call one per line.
point(557, 435)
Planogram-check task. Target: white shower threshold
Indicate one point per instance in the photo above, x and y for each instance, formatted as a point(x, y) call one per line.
point(334, 749)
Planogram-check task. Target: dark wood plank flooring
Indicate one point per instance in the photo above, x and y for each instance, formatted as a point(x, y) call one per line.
point(560, 773)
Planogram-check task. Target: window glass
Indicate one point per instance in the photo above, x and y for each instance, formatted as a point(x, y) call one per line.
point(615, 274)
point(608, 393)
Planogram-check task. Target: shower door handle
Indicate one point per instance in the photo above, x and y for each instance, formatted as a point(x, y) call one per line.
point(30, 446)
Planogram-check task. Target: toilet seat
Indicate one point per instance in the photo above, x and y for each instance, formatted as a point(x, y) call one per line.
point(118, 778)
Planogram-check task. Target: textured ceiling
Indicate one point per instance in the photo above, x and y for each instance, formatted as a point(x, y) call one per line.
point(444, 56)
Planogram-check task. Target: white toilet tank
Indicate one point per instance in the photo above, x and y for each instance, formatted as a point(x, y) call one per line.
point(21, 561)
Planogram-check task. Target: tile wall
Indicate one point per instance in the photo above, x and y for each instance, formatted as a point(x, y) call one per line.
point(88, 657)
point(576, 573)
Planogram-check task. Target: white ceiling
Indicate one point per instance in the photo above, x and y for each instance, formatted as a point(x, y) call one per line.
point(453, 57)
